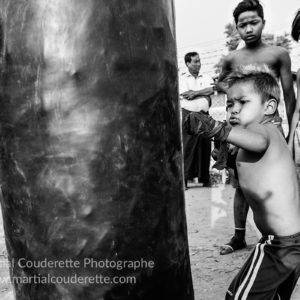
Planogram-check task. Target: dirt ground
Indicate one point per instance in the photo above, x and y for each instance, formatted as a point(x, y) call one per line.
point(210, 224)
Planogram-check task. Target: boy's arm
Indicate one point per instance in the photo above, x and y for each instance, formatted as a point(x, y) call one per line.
point(254, 138)
point(296, 116)
point(225, 70)
point(286, 79)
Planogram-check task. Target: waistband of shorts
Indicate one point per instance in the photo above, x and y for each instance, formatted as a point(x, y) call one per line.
point(280, 237)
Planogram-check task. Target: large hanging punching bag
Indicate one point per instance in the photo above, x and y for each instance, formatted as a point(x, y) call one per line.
point(91, 167)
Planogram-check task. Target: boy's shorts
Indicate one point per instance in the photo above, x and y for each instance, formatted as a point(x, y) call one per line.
point(271, 271)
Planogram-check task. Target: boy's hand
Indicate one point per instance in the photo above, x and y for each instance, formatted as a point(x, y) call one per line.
point(220, 87)
point(198, 123)
point(215, 153)
point(233, 149)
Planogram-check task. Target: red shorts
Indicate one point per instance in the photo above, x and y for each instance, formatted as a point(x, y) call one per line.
point(271, 271)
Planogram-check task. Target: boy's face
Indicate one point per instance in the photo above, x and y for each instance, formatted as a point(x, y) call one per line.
point(250, 26)
point(244, 105)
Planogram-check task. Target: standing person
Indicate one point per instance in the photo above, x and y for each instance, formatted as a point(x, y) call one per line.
point(195, 90)
point(249, 19)
point(268, 180)
point(295, 35)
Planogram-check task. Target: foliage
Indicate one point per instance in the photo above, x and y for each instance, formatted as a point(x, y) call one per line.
point(280, 40)
point(232, 37)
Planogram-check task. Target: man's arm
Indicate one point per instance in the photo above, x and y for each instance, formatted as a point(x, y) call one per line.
point(296, 116)
point(190, 95)
point(254, 138)
point(207, 82)
point(286, 79)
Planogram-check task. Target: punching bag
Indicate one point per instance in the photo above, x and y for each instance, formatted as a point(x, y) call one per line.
point(91, 166)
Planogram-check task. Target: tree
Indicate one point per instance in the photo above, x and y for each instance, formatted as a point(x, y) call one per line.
point(233, 39)
point(232, 36)
point(280, 40)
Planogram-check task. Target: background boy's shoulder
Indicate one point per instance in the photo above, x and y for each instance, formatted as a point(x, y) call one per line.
point(234, 53)
point(278, 50)
point(278, 56)
point(233, 56)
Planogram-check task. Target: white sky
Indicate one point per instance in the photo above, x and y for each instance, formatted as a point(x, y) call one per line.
point(202, 21)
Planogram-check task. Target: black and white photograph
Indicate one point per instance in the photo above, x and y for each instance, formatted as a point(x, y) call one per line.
point(149, 150)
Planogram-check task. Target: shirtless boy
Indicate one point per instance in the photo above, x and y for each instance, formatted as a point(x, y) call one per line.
point(268, 180)
point(250, 22)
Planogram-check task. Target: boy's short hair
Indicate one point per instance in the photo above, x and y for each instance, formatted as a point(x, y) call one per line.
point(189, 55)
point(263, 80)
point(296, 26)
point(247, 5)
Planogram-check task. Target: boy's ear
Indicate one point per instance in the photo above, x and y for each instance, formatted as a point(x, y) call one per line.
point(270, 107)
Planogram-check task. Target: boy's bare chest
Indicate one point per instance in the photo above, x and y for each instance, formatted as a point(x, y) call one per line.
point(258, 59)
point(256, 171)
point(249, 165)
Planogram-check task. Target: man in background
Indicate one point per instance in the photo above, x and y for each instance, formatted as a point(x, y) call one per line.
point(195, 90)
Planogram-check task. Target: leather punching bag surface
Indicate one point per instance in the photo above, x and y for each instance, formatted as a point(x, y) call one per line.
point(91, 175)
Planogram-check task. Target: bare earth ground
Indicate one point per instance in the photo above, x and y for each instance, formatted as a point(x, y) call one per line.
point(210, 224)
